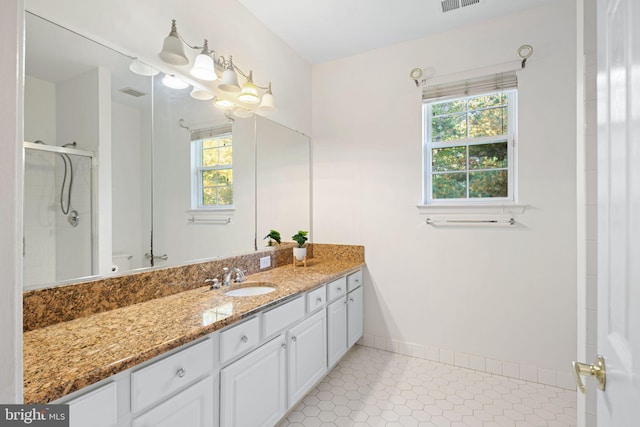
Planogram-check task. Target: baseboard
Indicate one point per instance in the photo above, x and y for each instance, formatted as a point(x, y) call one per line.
point(505, 368)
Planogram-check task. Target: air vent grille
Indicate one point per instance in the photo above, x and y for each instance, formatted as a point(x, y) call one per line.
point(133, 92)
point(449, 5)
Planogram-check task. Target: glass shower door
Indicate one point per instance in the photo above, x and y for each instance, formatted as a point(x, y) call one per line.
point(58, 214)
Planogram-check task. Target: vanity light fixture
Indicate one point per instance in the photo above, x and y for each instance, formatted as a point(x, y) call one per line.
point(208, 67)
point(224, 104)
point(249, 93)
point(173, 82)
point(201, 95)
point(142, 69)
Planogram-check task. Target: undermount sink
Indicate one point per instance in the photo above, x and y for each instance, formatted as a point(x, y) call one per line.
point(250, 290)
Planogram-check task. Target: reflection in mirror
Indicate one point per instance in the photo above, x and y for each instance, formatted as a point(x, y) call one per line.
point(283, 180)
point(143, 157)
point(81, 95)
point(203, 179)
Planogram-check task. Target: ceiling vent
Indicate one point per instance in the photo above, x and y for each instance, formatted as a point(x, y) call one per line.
point(131, 91)
point(449, 5)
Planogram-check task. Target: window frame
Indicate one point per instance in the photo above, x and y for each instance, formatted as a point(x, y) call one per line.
point(510, 138)
point(197, 188)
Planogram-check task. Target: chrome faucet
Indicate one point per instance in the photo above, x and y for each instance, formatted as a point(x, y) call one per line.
point(227, 272)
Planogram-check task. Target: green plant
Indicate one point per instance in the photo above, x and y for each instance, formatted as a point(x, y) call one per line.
point(273, 235)
point(300, 238)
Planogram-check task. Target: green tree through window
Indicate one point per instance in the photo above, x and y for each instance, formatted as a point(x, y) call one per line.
point(213, 171)
point(468, 150)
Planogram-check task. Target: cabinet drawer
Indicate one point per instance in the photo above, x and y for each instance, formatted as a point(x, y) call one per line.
point(162, 378)
point(354, 280)
point(316, 299)
point(97, 408)
point(279, 318)
point(238, 339)
point(337, 288)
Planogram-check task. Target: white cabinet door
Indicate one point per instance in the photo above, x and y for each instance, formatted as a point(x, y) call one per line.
point(307, 346)
point(97, 408)
point(354, 316)
point(192, 407)
point(337, 330)
point(253, 388)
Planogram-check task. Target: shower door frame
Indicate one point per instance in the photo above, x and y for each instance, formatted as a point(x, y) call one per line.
point(94, 204)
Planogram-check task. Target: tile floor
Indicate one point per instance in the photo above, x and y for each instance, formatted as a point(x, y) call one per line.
point(371, 387)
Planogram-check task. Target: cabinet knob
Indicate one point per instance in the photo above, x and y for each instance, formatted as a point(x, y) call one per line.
point(339, 289)
point(244, 339)
point(357, 280)
point(345, 301)
point(351, 299)
point(284, 345)
point(294, 338)
point(181, 372)
point(318, 300)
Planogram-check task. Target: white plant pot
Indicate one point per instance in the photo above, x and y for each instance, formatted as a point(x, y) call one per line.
point(299, 253)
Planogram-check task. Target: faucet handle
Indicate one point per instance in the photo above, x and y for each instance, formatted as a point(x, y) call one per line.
point(239, 275)
point(215, 283)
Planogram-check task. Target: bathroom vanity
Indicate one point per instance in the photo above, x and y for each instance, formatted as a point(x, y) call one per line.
point(200, 357)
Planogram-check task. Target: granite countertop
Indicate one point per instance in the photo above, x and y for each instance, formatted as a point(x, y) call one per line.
point(68, 356)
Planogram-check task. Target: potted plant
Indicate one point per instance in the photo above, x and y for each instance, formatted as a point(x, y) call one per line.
point(301, 251)
point(273, 236)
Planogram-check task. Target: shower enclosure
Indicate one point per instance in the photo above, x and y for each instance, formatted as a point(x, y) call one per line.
point(58, 214)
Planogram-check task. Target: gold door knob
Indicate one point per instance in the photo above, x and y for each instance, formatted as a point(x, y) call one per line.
point(598, 371)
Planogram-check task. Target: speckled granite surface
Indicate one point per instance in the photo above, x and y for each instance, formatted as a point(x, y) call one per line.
point(45, 307)
point(69, 355)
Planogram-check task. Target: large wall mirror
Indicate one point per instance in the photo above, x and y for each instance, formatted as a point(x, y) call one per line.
point(111, 168)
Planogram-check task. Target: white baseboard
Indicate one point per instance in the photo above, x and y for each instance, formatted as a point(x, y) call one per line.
point(471, 361)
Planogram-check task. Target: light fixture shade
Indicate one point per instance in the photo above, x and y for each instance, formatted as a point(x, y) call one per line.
point(249, 93)
point(242, 113)
point(201, 95)
point(203, 68)
point(172, 49)
point(142, 69)
point(223, 104)
point(229, 81)
point(173, 82)
point(268, 104)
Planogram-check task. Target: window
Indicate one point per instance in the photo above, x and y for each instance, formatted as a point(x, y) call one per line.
point(212, 169)
point(469, 148)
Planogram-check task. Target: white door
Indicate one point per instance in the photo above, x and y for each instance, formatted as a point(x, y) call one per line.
point(619, 211)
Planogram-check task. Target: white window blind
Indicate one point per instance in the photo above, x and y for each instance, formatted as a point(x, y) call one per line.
point(471, 86)
point(211, 132)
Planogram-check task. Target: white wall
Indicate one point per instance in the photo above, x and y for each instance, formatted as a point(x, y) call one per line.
point(283, 181)
point(11, 137)
point(499, 299)
point(140, 27)
point(77, 120)
point(39, 183)
point(128, 194)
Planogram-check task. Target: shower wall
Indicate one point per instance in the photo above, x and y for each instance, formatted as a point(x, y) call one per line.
point(53, 249)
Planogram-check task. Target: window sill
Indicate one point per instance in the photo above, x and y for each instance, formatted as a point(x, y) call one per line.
point(211, 211)
point(473, 208)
